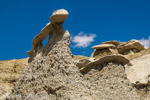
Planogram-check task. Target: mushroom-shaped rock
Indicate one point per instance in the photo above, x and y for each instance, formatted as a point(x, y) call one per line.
point(110, 47)
point(116, 58)
point(111, 42)
point(59, 16)
point(132, 44)
point(57, 19)
point(103, 46)
point(82, 62)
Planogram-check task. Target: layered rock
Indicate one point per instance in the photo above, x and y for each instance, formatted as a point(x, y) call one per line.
point(130, 47)
point(105, 48)
point(83, 62)
point(114, 47)
point(115, 58)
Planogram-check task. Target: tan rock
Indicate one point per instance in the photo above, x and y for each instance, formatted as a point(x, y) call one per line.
point(132, 44)
point(57, 19)
point(111, 42)
point(82, 62)
point(3, 92)
point(103, 46)
point(113, 50)
point(52, 73)
point(116, 58)
point(59, 16)
point(39, 38)
point(10, 71)
point(139, 72)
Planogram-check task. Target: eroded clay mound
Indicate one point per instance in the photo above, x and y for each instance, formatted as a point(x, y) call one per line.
point(108, 81)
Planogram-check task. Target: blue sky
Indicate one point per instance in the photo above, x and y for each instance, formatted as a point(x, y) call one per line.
point(90, 22)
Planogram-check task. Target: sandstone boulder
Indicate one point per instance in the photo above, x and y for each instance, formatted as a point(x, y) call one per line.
point(59, 16)
point(132, 44)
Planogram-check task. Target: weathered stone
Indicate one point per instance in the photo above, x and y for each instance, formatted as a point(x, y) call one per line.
point(108, 46)
point(108, 81)
point(132, 44)
point(113, 50)
point(103, 46)
point(98, 53)
point(117, 58)
point(59, 16)
point(52, 74)
point(38, 39)
point(82, 62)
point(139, 73)
point(111, 42)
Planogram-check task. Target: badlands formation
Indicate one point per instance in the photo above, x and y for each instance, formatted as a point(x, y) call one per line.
point(114, 71)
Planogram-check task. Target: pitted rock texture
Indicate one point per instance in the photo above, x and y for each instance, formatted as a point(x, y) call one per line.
point(10, 71)
point(108, 81)
point(47, 77)
point(52, 74)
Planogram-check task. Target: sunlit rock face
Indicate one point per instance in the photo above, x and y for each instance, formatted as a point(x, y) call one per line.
point(10, 71)
point(132, 46)
point(139, 72)
point(114, 47)
point(52, 73)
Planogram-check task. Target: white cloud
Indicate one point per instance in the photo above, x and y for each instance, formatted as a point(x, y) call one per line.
point(145, 42)
point(82, 40)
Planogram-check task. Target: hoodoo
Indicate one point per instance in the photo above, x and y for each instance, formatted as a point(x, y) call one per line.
point(53, 74)
point(56, 20)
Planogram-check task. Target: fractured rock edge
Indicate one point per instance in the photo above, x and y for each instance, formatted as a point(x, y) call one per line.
point(116, 58)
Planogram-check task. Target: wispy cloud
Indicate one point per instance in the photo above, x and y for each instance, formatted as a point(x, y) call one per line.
point(83, 40)
point(145, 42)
